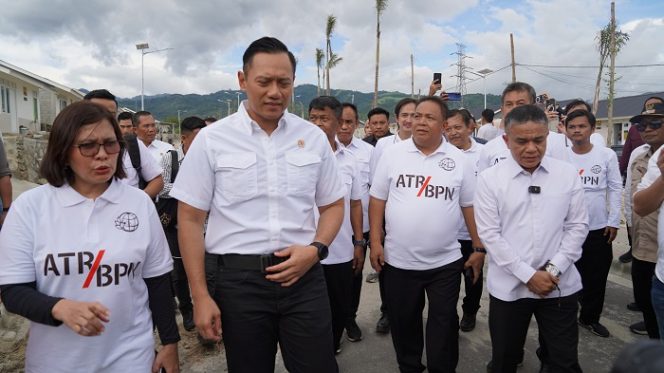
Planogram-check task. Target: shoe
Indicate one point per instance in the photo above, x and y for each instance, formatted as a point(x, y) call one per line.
point(372, 277)
point(353, 332)
point(633, 307)
point(626, 257)
point(337, 350)
point(489, 365)
point(639, 328)
point(188, 320)
point(596, 328)
point(383, 325)
point(467, 323)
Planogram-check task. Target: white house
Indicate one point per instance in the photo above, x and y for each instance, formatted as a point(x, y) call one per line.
point(29, 100)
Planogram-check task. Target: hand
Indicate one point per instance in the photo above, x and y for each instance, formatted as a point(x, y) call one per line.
point(167, 358)
point(377, 256)
point(358, 259)
point(476, 261)
point(611, 232)
point(207, 318)
point(435, 87)
point(301, 259)
point(542, 283)
point(84, 318)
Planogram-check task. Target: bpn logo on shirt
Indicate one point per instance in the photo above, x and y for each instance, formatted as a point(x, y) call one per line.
point(422, 184)
point(590, 180)
point(81, 262)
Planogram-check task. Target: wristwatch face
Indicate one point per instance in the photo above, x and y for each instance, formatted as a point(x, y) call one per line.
point(552, 270)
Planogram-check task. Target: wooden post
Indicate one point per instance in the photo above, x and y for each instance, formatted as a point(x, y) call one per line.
point(612, 75)
point(513, 63)
point(412, 77)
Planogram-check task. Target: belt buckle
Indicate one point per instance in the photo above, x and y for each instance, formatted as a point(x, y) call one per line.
point(267, 260)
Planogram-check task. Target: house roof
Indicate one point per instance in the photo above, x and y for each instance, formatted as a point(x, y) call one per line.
point(37, 80)
point(622, 106)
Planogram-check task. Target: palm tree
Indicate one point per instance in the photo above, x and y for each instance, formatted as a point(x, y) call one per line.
point(319, 63)
point(329, 29)
point(604, 49)
point(381, 5)
point(332, 63)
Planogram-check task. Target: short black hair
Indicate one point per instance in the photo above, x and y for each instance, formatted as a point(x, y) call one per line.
point(465, 115)
point(352, 107)
point(322, 102)
point(438, 101)
point(526, 113)
point(137, 116)
point(125, 115)
point(488, 115)
point(210, 120)
point(577, 102)
point(519, 87)
point(189, 124)
point(378, 111)
point(269, 45)
point(103, 94)
point(403, 102)
point(581, 113)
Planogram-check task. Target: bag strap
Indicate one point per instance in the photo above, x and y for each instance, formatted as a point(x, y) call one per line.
point(135, 157)
point(175, 164)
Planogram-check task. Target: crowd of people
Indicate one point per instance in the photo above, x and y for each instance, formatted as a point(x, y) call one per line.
point(260, 223)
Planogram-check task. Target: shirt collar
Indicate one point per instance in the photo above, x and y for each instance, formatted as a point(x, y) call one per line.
point(68, 196)
point(514, 169)
point(249, 126)
point(442, 149)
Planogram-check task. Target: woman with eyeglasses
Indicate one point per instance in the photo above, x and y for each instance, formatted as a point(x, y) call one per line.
point(84, 258)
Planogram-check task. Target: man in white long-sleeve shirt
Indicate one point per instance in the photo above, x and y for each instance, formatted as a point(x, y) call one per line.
point(528, 217)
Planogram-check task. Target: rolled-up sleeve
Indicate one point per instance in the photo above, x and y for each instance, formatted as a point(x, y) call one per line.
point(195, 182)
point(328, 186)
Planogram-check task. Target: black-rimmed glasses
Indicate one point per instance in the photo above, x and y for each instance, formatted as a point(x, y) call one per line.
point(90, 149)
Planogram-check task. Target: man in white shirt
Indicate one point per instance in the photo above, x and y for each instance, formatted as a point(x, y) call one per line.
point(347, 249)
point(420, 189)
point(146, 131)
point(260, 173)
point(648, 199)
point(459, 132)
point(488, 131)
point(599, 174)
point(528, 217)
point(362, 152)
point(142, 170)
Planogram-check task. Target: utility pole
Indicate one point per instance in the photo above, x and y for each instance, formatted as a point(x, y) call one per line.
point(461, 70)
point(513, 63)
point(612, 74)
point(412, 77)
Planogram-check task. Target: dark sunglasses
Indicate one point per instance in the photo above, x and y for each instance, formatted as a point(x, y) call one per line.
point(90, 149)
point(652, 123)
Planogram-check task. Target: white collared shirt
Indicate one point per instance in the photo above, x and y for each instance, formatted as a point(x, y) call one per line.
point(424, 197)
point(628, 193)
point(149, 167)
point(522, 230)
point(650, 177)
point(602, 185)
point(87, 250)
point(473, 154)
point(496, 150)
point(488, 132)
point(260, 190)
point(382, 144)
point(341, 249)
point(158, 149)
point(362, 152)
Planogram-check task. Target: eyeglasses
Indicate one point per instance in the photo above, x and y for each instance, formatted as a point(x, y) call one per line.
point(90, 149)
point(654, 124)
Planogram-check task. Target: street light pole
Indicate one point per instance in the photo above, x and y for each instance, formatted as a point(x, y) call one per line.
point(482, 74)
point(183, 111)
point(142, 47)
point(238, 99)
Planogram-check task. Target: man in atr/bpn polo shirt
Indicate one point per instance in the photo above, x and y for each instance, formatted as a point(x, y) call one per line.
point(421, 188)
point(260, 173)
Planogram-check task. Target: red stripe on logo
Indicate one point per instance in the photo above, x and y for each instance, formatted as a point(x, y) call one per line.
point(95, 265)
point(426, 182)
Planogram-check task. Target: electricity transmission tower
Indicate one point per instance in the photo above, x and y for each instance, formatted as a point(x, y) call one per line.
point(461, 70)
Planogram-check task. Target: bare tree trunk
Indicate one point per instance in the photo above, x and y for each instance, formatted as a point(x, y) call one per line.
point(318, 86)
point(328, 53)
point(412, 77)
point(375, 97)
point(597, 87)
point(612, 75)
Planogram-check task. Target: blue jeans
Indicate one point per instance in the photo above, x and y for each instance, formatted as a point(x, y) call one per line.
point(657, 293)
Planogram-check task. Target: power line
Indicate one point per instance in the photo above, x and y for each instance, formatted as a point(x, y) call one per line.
point(590, 66)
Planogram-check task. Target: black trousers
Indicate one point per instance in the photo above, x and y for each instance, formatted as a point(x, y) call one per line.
point(339, 280)
point(471, 302)
point(357, 286)
point(594, 267)
point(256, 314)
point(642, 273)
point(178, 275)
point(210, 272)
point(558, 329)
point(404, 294)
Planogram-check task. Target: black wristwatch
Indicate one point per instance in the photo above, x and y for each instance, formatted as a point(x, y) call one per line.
point(322, 249)
point(479, 250)
point(361, 242)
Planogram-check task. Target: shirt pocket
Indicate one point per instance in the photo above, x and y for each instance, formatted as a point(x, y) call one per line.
point(302, 169)
point(237, 175)
point(363, 166)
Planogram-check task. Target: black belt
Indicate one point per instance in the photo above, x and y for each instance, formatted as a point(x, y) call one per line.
point(249, 262)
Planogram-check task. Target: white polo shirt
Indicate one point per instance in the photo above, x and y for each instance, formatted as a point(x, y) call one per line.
point(602, 185)
point(87, 250)
point(424, 197)
point(628, 193)
point(341, 250)
point(650, 177)
point(149, 167)
point(362, 152)
point(260, 190)
point(382, 144)
point(488, 132)
point(496, 150)
point(473, 154)
point(158, 149)
point(522, 230)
